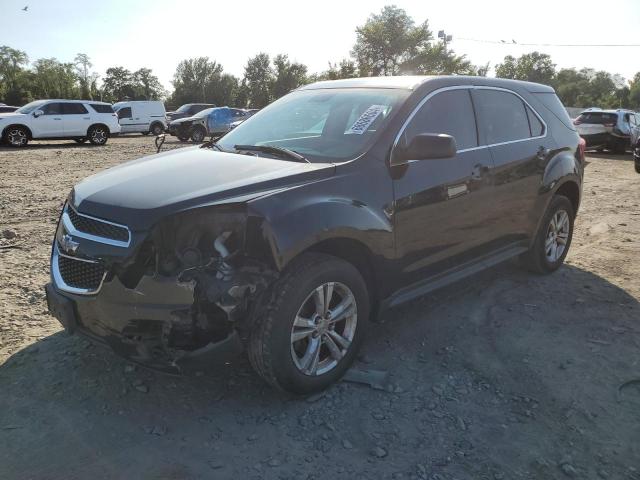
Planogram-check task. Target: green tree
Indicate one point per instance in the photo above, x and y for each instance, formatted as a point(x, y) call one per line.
point(118, 84)
point(288, 76)
point(532, 67)
point(13, 75)
point(344, 69)
point(192, 77)
point(257, 82)
point(387, 41)
point(437, 59)
point(83, 64)
point(51, 78)
point(147, 85)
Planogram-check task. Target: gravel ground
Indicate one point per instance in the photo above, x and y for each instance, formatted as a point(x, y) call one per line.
point(506, 375)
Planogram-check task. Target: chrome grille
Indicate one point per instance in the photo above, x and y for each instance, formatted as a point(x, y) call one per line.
point(96, 229)
point(76, 275)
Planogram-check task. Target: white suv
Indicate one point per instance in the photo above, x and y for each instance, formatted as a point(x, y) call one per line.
point(80, 120)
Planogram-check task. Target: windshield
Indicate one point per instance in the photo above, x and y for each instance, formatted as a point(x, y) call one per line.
point(30, 107)
point(184, 108)
point(203, 113)
point(323, 125)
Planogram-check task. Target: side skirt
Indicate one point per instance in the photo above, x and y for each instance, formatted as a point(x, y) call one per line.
point(447, 277)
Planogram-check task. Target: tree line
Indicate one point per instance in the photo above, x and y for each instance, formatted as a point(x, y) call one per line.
point(390, 42)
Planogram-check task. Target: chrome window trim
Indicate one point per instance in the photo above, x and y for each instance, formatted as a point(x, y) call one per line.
point(71, 229)
point(57, 276)
point(471, 87)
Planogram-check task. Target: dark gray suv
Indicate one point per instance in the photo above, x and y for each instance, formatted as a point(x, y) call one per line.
point(296, 228)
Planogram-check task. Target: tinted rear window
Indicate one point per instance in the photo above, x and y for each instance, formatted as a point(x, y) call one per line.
point(597, 118)
point(503, 116)
point(98, 107)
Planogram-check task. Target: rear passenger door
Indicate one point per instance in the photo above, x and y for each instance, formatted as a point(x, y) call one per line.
point(76, 119)
point(442, 206)
point(520, 148)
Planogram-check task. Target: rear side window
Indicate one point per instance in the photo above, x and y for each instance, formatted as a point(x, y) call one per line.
point(503, 117)
point(536, 126)
point(597, 118)
point(73, 109)
point(100, 108)
point(124, 112)
point(449, 112)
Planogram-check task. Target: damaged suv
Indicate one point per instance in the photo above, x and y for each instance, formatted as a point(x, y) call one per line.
point(295, 229)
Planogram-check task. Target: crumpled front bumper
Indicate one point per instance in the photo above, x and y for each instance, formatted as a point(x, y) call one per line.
point(140, 324)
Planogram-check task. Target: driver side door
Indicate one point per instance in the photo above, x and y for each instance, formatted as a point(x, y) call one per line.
point(50, 124)
point(442, 206)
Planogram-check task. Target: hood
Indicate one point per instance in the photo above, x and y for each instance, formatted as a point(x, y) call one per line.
point(182, 120)
point(11, 114)
point(140, 192)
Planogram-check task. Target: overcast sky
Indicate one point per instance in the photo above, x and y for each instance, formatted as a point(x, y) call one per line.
point(160, 33)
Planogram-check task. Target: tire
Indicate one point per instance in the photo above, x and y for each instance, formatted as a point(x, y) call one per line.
point(16, 136)
point(288, 364)
point(80, 140)
point(542, 257)
point(145, 133)
point(98, 134)
point(182, 138)
point(157, 129)
point(636, 164)
point(198, 134)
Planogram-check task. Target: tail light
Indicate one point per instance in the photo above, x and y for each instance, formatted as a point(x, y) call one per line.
point(582, 147)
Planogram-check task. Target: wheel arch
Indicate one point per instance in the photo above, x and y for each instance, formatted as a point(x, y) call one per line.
point(571, 190)
point(99, 124)
point(29, 132)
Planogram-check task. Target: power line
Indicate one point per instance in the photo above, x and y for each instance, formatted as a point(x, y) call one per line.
point(513, 42)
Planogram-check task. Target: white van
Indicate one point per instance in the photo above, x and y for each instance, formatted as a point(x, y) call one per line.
point(141, 116)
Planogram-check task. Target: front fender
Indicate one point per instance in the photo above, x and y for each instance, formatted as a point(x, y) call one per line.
point(281, 228)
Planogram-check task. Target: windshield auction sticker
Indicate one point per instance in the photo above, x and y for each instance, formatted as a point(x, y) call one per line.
point(366, 119)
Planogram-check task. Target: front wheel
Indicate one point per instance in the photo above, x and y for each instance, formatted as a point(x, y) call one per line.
point(17, 136)
point(157, 129)
point(309, 331)
point(80, 140)
point(553, 239)
point(198, 134)
point(98, 135)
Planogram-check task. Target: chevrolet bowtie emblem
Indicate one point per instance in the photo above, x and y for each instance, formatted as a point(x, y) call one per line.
point(68, 244)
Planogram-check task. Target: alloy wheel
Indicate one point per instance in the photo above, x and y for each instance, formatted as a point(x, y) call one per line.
point(17, 137)
point(324, 328)
point(557, 236)
point(99, 135)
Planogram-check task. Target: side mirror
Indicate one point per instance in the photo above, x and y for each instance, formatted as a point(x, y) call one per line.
point(38, 113)
point(426, 146)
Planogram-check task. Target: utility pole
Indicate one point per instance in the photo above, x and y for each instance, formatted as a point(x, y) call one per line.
point(442, 35)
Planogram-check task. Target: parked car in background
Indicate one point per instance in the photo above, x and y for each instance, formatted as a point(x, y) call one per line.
point(80, 120)
point(188, 110)
point(605, 129)
point(145, 116)
point(635, 139)
point(292, 231)
point(210, 122)
point(7, 108)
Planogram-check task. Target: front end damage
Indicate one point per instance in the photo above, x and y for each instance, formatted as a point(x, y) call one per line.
point(179, 294)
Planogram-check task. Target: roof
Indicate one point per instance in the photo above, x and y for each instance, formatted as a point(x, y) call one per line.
point(412, 82)
point(71, 101)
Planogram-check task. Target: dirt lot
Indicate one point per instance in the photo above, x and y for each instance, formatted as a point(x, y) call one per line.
point(504, 376)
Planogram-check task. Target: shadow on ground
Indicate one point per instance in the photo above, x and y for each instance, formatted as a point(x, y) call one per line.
point(505, 375)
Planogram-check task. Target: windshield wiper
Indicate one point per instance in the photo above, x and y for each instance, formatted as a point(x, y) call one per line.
point(279, 151)
point(212, 144)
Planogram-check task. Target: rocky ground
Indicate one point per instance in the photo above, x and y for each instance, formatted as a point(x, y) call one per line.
point(507, 375)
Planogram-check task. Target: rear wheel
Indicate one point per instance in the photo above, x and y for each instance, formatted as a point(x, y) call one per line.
point(157, 129)
point(17, 136)
point(182, 138)
point(98, 134)
point(198, 134)
point(310, 329)
point(553, 239)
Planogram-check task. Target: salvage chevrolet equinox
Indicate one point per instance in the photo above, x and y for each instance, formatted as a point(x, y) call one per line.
point(295, 229)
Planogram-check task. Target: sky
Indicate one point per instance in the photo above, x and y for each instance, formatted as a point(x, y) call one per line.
point(159, 33)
